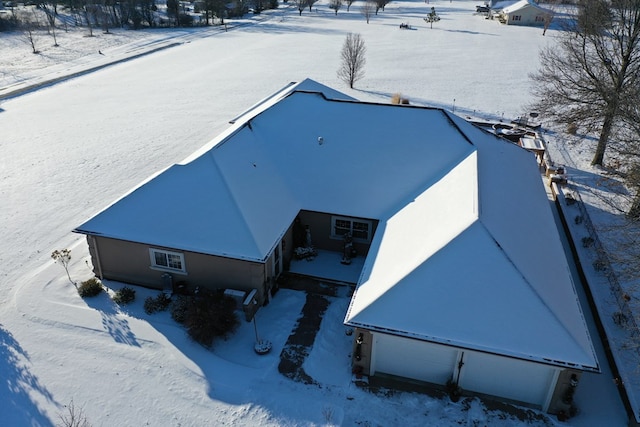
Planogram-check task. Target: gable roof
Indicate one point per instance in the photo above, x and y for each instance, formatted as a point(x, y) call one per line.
point(523, 4)
point(466, 251)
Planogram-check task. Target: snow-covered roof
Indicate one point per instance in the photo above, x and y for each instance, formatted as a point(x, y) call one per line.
point(466, 251)
point(522, 4)
point(476, 261)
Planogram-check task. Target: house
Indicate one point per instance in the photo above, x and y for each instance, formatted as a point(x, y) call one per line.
point(524, 12)
point(464, 278)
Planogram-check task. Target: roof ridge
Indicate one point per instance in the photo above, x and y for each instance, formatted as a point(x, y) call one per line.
point(233, 197)
point(535, 290)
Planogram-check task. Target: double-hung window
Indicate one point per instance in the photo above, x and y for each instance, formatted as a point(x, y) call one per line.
point(360, 229)
point(166, 260)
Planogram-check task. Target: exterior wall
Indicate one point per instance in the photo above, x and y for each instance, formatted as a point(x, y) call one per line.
point(361, 351)
point(320, 225)
point(131, 263)
point(562, 398)
point(512, 380)
point(527, 16)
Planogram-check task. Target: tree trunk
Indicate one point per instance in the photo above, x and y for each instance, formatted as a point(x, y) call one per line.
point(598, 158)
point(634, 210)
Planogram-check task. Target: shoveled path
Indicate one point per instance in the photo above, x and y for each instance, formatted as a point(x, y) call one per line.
point(299, 343)
point(301, 340)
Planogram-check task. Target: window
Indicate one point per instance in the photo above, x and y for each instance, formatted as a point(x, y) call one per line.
point(516, 17)
point(360, 229)
point(165, 260)
point(539, 18)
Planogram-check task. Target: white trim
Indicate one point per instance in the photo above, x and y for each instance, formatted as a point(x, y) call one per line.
point(351, 220)
point(276, 264)
point(551, 391)
point(155, 266)
point(374, 349)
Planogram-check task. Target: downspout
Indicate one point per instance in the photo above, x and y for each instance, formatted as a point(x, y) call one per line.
point(460, 365)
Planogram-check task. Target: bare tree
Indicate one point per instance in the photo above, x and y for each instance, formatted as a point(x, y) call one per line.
point(300, 5)
point(336, 5)
point(49, 10)
point(310, 3)
point(74, 417)
point(349, 3)
point(367, 9)
point(29, 29)
point(63, 257)
point(547, 16)
point(380, 4)
point(590, 77)
point(353, 60)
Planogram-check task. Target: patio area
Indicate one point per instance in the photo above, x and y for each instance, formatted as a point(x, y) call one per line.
point(326, 265)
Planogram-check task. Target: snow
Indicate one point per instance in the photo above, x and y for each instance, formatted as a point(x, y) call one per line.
point(244, 192)
point(72, 148)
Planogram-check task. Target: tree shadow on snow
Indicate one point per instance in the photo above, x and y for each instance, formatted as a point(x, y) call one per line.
point(112, 320)
point(18, 407)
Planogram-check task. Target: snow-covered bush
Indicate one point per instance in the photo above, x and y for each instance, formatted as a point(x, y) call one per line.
point(179, 307)
point(159, 303)
point(211, 315)
point(90, 288)
point(124, 296)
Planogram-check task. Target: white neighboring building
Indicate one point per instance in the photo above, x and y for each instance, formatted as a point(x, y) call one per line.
point(524, 12)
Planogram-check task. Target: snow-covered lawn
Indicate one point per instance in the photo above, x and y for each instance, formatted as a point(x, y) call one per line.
point(70, 149)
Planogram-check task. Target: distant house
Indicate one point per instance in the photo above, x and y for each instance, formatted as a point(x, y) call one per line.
point(465, 280)
point(524, 12)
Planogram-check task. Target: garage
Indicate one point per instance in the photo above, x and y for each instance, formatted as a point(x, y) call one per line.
point(421, 361)
point(507, 377)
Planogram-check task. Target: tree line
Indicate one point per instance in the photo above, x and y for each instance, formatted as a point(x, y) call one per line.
point(134, 14)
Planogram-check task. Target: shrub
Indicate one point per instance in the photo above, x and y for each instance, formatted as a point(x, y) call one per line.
point(619, 318)
point(572, 128)
point(90, 288)
point(179, 308)
point(587, 241)
point(599, 265)
point(159, 303)
point(210, 316)
point(124, 296)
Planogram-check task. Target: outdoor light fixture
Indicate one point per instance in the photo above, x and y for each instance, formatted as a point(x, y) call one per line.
point(320, 140)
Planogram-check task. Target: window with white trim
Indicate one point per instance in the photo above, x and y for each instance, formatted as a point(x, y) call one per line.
point(166, 260)
point(516, 17)
point(360, 229)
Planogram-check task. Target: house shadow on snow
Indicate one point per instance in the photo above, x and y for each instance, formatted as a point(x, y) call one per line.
point(112, 320)
point(18, 384)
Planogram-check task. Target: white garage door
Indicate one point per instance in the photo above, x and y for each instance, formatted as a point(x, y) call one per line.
point(505, 377)
point(413, 359)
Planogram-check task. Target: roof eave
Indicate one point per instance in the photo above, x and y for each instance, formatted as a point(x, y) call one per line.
point(452, 343)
